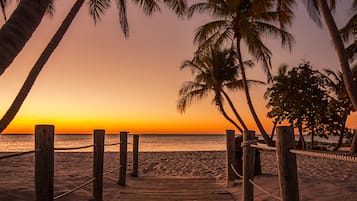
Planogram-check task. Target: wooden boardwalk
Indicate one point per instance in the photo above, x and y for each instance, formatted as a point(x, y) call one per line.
point(174, 189)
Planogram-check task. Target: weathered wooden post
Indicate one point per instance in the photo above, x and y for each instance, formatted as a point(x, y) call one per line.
point(123, 158)
point(44, 162)
point(230, 157)
point(289, 188)
point(248, 166)
point(135, 155)
point(98, 155)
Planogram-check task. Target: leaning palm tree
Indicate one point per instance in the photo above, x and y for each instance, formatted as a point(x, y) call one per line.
point(96, 9)
point(242, 21)
point(18, 28)
point(214, 70)
point(27, 16)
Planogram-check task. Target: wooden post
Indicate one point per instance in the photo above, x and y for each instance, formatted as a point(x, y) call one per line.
point(230, 157)
point(123, 157)
point(44, 162)
point(98, 155)
point(289, 188)
point(248, 166)
point(135, 155)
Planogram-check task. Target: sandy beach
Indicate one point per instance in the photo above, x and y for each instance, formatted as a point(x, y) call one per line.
point(319, 179)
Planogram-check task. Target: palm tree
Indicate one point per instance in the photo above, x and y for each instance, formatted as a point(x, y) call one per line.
point(214, 70)
point(242, 21)
point(316, 8)
point(96, 9)
point(23, 22)
point(340, 98)
point(36, 69)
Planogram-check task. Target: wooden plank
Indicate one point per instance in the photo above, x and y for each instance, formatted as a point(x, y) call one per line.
point(174, 188)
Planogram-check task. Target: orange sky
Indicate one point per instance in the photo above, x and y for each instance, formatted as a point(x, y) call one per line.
point(97, 79)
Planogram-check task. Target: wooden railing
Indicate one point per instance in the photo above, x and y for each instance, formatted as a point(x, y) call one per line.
point(44, 162)
point(286, 159)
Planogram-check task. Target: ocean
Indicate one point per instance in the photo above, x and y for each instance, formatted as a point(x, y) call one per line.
point(147, 142)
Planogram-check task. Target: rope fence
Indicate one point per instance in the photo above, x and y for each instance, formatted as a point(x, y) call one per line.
point(44, 162)
point(74, 189)
point(286, 159)
point(256, 185)
point(325, 155)
point(17, 154)
point(73, 148)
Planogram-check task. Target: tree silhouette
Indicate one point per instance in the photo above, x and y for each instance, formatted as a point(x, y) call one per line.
point(242, 21)
point(213, 71)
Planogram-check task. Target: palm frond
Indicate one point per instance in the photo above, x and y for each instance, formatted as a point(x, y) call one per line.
point(121, 4)
point(51, 9)
point(285, 10)
point(349, 29)
point(179, 6)
point(287, 39)
point(189, 92)
point(97, 8)
point(238, 84)
point(313, 11)
point(198, 8)
point(148, 6)
point(351, 51)
point(206, 31)
point(257, 48)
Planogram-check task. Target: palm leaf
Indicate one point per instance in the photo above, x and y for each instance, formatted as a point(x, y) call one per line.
point(121, 4)
point(97, 8)
point(179, 6)
point(148, 6)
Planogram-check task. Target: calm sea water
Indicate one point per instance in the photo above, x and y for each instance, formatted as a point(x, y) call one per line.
point(147, 143)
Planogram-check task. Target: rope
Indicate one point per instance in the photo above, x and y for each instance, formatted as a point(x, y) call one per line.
point(248, 143)
point(112, 144)
point(113, 170)
point(17, 154)
point(74, 189)
point(73, 148)
point(254, 184)
point(325, 155)
point(260, 146)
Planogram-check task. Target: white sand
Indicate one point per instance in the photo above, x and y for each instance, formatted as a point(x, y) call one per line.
point(319, 179)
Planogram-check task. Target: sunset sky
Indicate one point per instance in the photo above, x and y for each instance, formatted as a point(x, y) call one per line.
point(97, 79)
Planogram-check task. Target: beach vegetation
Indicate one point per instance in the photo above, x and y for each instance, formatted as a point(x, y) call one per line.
point(297, 96)
point(339, 101)
point(315, 103)
point(318, 9)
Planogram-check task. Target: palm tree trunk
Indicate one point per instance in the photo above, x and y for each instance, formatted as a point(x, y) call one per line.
point(234, 110)
point(249, 101)
point(36, 69)
point(302, 142)
point(18, 29)
point(342, 132)
point(273, 130)
point(351, 87)
point(354, 143)
point(228, 118)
